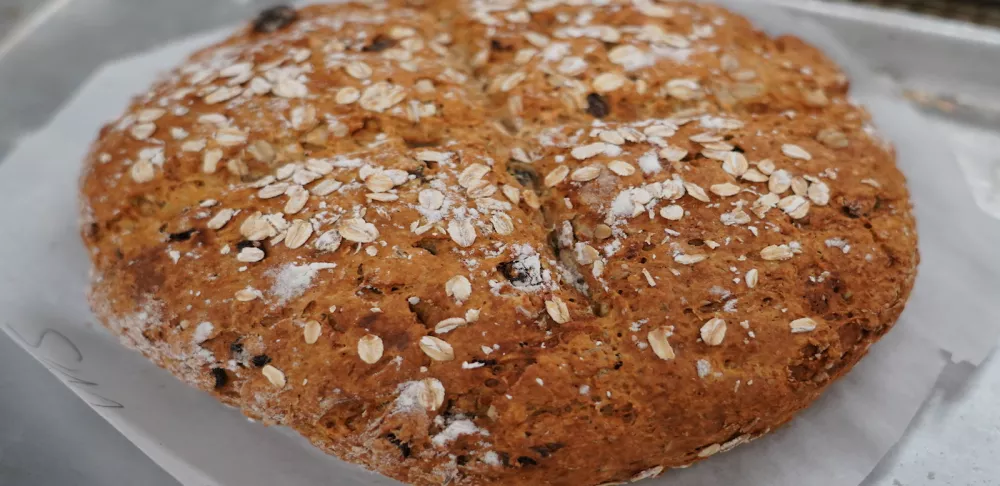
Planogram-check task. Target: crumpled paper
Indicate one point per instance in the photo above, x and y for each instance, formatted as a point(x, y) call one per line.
point(952, 313)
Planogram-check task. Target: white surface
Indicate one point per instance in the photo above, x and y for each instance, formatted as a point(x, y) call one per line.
point(955, 440)
point(849, 429)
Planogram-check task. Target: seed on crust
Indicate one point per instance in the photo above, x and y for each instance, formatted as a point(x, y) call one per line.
point(802, 325)
point(472, 174)
point(512, 193)
point(780, 181)
point(273, 190)
point(647, 474)
point(795, 152)
point(431, 395)
point(297, 200)
point(248, 294)
point(819, 193)
point(438, 349)
point(502, 224)
point(431, 198)
point(584, 152)
point(735, 164)
point(621, 168)
point(370, 348)
point(289, 88)
point(358, 230)
point(312, 331)
point(754, 175)
point(462, 232)
point(557, 310)
point(378, 183)
point(799, 186)
point(766, 166)
point(557, 175)
point(358, 70)
point(480, 189)
point(210, 161)
point(795, 206)
point(220, 219)
point(142, 131)
point(449, 324)
point(458, 287)
point(710, 450)
point(672, 212)
point(250, 255)
point(833, 138)
point(298, 233)
point(381, 96)
point(777, 253)
point(657, 339)
point(608, 82)
point(685, 259)
point(586, 254)
point(585, 174)
point(274, 375)
point(751, 278)
point(329, 241)
point(725, 189)
point(143, 171)
point(713, 331)
point(347, 95)
point(696, 191)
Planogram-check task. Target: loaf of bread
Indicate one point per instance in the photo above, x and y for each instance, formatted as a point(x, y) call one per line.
point(543, 242)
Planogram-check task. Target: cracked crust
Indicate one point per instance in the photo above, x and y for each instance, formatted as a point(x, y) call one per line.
point(502, 243)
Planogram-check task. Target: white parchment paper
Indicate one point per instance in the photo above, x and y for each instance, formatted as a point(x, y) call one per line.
point(953, 313)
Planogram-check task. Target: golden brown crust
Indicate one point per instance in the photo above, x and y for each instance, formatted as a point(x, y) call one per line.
point(515, 243)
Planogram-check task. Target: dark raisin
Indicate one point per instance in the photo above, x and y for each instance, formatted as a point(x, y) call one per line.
point(498, 46)
point(598, 106)
point(510, 272)
point(546, 450)
point(427, 244)
point(182, 236)
point(245, 244)
point(260, 360)
point(403, 447)
point(525, 174)
point(274, 18)
point(236, 348)
point(853, 209)
point(379, 44)
point(220, 377)
point(526, 461)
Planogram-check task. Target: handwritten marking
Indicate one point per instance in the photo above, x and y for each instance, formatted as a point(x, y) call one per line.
point(93, 399)
point(41, 340)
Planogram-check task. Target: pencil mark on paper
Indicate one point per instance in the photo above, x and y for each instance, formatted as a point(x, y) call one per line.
point(78, 356)
point(71, 379)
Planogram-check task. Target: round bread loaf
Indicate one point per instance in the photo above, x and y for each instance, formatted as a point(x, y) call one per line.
point(521, 243)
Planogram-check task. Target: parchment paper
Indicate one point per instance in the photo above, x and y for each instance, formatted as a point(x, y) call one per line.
point(953, 313)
